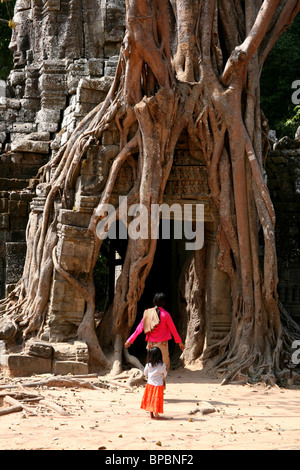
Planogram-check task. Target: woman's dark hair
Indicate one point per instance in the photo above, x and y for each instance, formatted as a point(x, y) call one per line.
point(154, 356)
point(159, 300)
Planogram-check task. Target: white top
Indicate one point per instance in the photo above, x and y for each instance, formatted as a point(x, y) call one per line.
point(155, 374)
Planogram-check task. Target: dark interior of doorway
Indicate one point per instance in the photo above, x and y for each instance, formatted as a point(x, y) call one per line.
point(164, 275)
point(105, 269)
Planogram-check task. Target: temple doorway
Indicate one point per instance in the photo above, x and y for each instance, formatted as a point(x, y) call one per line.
point(169, 259)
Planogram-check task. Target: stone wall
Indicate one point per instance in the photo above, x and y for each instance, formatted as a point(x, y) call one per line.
point(65, 54)
point(283, 172)
point(16, 193)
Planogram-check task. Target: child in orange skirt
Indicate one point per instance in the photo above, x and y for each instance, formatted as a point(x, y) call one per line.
point(155, 370)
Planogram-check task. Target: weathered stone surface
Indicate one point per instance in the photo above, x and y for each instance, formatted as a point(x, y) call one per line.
point(31, 146)
point(39, 349)
point(15, 256)
point(70, 367)
point(75, 248)
point(56, 45)
point(7, 330)
point(68, 217)
point(9, 103)
point(283, 173)
point(66, 311)
point(40, 357)
point(4, 221)
point(75, 351)
point(24, 127)
point(20, 365)
point(82, 351)
point(65, 54)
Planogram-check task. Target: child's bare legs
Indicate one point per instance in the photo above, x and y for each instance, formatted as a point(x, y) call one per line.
point(154, 415)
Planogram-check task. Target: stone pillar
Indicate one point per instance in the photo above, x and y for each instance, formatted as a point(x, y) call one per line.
point(74, 254)
point(218, 299)
point(31, 98)
point(52, 85)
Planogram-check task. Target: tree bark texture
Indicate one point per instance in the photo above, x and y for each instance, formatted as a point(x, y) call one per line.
point(184, 64)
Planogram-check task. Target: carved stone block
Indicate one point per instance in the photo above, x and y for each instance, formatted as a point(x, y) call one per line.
point(19, 365)
point(74, 249)
point(70, 367)
point(52, 5)
point(15, 257)
point(27, 145)
point(39, 349)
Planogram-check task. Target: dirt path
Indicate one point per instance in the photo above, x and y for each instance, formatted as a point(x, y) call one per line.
point(245, 417)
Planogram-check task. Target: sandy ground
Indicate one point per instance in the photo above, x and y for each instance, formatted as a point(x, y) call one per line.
point(245, 418)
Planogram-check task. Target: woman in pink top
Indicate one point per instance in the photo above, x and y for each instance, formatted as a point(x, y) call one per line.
point(161, 334)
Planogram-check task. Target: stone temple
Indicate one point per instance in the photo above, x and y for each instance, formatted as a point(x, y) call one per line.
point(65, 55)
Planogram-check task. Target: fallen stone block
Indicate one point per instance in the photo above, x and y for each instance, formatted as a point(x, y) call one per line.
point(19, 365)
point(39, 349)
point(70, 367)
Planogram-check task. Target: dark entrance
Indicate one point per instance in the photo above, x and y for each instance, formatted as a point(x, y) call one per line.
point(168, 262)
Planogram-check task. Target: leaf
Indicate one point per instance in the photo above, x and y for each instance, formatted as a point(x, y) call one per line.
point(12, 24)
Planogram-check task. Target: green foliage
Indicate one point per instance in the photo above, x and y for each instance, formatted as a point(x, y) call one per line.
point(280, 71)
point(6, 57)
point(291, 125)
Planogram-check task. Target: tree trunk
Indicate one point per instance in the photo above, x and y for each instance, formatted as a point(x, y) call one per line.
point(191, 64)
point(191, 301)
